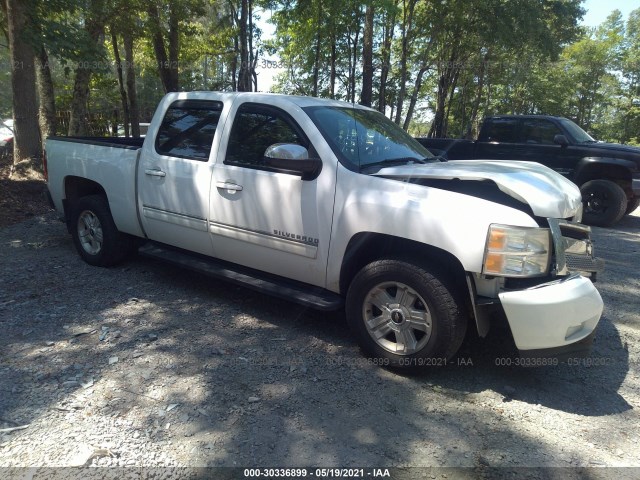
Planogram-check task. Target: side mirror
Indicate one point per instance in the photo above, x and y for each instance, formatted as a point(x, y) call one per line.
point(293, 158)
point(561, 140)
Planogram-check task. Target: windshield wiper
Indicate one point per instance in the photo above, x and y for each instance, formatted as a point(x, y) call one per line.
point(390, 162)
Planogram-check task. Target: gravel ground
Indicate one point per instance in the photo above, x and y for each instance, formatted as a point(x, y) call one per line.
point(153, 366)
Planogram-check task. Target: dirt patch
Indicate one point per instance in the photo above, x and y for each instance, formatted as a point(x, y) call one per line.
point(22, 192)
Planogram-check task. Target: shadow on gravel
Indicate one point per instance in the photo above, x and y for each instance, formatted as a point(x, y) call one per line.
point(217, 375)
point(583, 386)
point(629, 222)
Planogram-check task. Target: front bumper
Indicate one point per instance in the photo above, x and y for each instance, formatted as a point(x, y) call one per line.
point(635, 186)
point(553, 315)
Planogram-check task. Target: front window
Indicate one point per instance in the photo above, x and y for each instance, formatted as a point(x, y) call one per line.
point(539, 131)
point(366, 139)
point(255, 128)
point(578, 134)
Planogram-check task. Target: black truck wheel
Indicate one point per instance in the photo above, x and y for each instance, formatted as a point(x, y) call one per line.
point(404, 316)
point(604, 203)
point(632, 205)
point(95, 234)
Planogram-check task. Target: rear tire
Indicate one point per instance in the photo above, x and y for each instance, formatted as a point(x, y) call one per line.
point(604, 203)
point(405, 316)
point(632, 205)
point(95, 234)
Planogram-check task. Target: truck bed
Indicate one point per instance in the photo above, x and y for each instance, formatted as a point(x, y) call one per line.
point(102, 161)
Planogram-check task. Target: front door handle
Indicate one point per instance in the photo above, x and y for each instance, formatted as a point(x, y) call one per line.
point(229, 186)
point(155, 173)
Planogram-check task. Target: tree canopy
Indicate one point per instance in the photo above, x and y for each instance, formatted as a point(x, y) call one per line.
point(433, 67)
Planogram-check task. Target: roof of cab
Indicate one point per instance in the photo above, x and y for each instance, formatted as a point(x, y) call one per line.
point(300, 101)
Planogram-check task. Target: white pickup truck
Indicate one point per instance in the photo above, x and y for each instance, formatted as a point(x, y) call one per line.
point(332, 205)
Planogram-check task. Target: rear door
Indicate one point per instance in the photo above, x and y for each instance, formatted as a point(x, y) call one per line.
point(501, 140)
point(174, 175)
point(264, 218)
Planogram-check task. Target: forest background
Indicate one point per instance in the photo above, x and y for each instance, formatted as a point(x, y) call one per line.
point(435, 67)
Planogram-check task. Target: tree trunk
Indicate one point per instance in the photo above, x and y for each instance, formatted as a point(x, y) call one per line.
point(404, 73)
point(123, 93)
point(26, 145)
point(448, 77)
point(244, 80)
point(469, 134)
point(354, 64)
point(79, 119)
point(414, 97)
point(234, 65)
point(47, 113)
point(130, 74)
point(253, 56)
point(386, 59)
point(174, 46)
point(162, 60)
point(366, 96)
point(316, 62)
point(332, 68)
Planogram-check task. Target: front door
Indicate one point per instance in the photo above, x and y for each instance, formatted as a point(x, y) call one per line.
point(539, 135)
point(263, 218)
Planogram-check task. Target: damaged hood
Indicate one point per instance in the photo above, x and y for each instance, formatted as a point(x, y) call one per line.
point(548, 193)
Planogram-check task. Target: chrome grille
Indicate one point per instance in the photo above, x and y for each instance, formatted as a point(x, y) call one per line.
point(573, 249)
point(583, 263)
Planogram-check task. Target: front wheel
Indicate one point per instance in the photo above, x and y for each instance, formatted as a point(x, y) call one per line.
point(604, 202)
point(404, 314)
point(95, 234)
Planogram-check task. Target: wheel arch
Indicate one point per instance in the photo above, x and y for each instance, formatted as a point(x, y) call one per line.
point(77, 187)
point(366, 247)
point(613, 169)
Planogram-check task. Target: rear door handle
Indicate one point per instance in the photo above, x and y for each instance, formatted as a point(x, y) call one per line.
point(155, 173)
point(229, 186)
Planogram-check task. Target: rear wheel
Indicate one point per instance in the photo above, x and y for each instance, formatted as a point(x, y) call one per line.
point(404, 315)
point(604, 202)
point(632, 205)
point(95, 234)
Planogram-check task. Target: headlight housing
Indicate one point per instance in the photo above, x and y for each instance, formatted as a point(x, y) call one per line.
point(517, 251)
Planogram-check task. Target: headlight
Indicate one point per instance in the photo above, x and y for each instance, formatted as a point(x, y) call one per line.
point(517, 251)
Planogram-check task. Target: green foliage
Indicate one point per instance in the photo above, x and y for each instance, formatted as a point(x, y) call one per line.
point(437, 65)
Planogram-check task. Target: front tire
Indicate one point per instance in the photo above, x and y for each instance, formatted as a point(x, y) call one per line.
point(95, 234)
point(404, 314)
point(604, 203)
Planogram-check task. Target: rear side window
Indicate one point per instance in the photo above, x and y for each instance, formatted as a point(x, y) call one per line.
point(503, 130)
point(256, 127)
point(188, 128)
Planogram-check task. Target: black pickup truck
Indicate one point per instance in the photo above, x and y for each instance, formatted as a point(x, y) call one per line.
point(608, 174)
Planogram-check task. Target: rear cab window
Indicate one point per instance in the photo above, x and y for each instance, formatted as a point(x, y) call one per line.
point(188, 128)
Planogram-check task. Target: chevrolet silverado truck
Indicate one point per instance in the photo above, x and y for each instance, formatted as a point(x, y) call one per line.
point(608, 174)
point(331, 205)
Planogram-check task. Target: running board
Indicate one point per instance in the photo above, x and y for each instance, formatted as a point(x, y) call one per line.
point(290, 290)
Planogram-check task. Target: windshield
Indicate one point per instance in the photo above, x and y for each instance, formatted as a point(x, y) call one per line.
point(578, 134)
point(365, 138)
